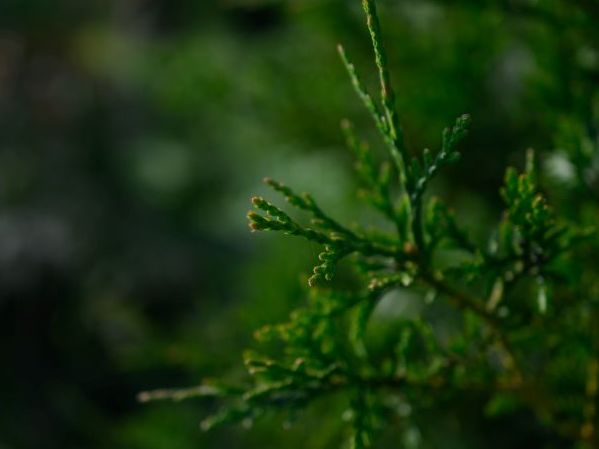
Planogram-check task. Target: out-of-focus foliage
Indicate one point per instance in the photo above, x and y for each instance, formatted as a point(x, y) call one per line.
point(130, 135)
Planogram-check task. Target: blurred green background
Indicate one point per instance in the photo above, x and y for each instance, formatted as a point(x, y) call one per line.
point(132, 135)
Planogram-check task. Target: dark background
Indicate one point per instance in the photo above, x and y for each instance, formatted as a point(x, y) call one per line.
point(132, 135)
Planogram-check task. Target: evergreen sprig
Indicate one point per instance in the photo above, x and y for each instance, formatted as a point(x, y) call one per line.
point(325, 346)
point(422, 173)
point(338, 240)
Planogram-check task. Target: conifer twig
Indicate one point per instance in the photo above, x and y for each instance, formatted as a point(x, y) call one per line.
point(387, 92)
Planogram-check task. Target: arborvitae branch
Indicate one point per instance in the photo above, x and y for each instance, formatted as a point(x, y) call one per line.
point(338, 240)
point(387, 122)
point(324, 346)
point(387, 92)
point(422, 174)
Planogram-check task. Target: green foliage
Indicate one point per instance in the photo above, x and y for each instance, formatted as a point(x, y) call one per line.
point(513, 353)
